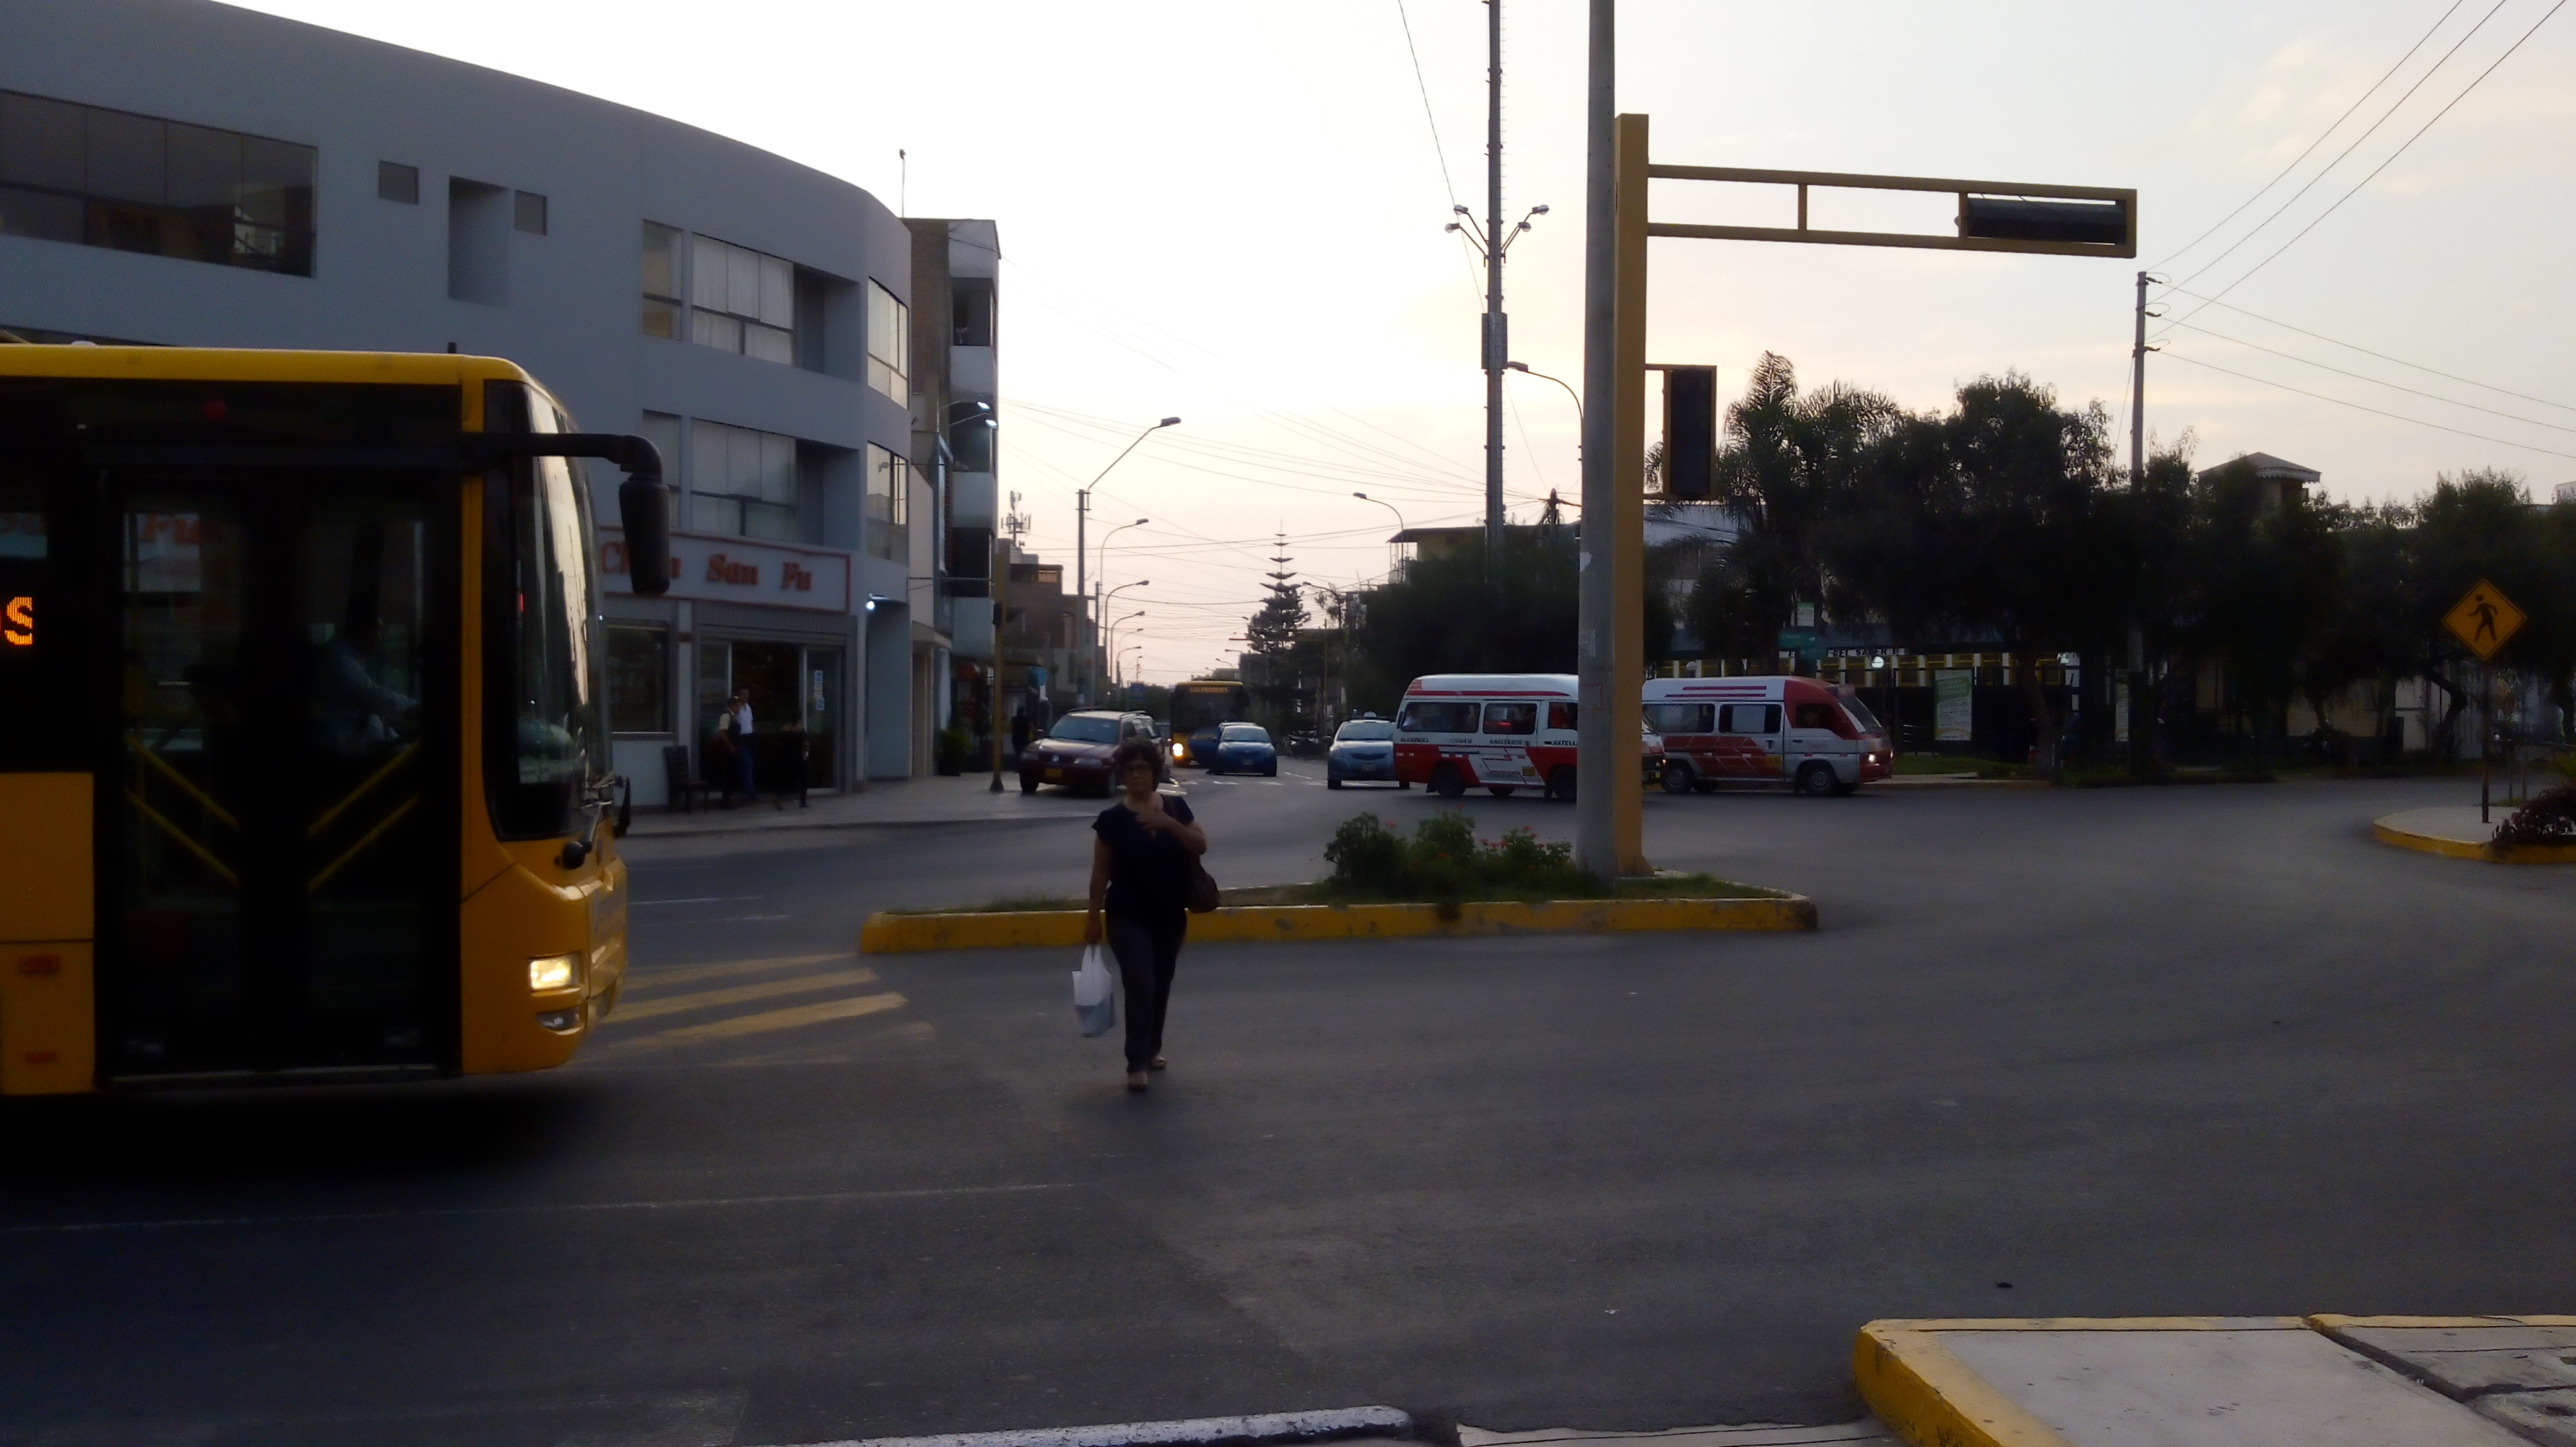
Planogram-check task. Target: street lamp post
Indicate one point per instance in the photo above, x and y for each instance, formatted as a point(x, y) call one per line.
point(1082, 517)
point(1390, 507)
point(1102, 576)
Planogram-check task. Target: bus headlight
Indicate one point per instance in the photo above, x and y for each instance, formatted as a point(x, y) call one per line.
point(554, 972)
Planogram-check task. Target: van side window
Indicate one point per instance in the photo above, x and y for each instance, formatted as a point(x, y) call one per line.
point(1511, 718)
point(1681, 718)
point(1816, 716)
point(1436, 716)
point(1749, 718)
point(1560, 716)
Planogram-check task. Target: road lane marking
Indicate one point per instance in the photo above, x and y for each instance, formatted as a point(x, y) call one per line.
point(68, 1228)
point(736, 994)
point(699, 899)
point(638, 975)
point(768, 1020)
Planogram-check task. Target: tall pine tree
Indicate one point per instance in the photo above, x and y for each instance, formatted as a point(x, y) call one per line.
point(1272, 633)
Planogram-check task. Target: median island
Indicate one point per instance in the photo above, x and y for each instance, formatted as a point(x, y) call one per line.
point(1443, 880)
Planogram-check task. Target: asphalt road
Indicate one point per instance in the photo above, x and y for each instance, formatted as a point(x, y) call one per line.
point(2194, 1050)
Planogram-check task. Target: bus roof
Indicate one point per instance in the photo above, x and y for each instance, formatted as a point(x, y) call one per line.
point(245, 364)
point(1492, 685)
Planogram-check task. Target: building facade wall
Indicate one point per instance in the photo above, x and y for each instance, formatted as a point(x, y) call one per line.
point(566, 303)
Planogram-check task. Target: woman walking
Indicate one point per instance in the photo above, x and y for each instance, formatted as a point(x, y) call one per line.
point(1140, 878)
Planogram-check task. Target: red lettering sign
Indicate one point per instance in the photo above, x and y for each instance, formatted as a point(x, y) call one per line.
point(793, 576)
point(721, 569)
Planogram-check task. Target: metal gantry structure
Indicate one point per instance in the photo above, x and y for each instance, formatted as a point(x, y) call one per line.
point(1993, 216)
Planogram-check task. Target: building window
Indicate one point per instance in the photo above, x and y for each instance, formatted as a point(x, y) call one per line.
point(742, 300)
point(97, 177)
point(639, 679)
point(889, 344)
point(528, 213)
point(662, 429)
point(971, 442)
point(662, 306)
point(889, 504)
point(971, 302)
point(398, 182)
point(742, 482)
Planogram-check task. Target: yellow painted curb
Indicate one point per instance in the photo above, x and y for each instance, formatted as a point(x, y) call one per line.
point(2462, 849)
point(1929, 1397)
point(886, 934)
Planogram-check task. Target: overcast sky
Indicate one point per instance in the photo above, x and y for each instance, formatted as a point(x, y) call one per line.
point(1233, 213)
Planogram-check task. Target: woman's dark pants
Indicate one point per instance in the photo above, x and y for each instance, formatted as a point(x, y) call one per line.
point(1147, 949)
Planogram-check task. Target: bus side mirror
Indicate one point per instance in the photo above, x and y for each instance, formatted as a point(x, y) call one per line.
point(643, 499)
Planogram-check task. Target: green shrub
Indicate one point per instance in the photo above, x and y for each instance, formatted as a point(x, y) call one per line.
point(1445, 861)
point(2549, 819)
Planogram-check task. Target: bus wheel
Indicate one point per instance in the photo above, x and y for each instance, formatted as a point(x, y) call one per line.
point(1816, 780)
point(1448, 783)
point(1560, 785)
point(1499, 791)
point(1677, 777)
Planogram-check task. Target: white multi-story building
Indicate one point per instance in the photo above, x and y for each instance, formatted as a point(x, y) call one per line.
point(187, 173)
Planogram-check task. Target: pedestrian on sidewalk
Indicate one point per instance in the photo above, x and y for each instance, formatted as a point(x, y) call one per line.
point(1141, 854)
point(795, 756)
point(1019, 734)
point(738, 723)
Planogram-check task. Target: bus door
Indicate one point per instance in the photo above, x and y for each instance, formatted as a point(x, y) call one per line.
point(1748, 741)
point(1503, 745)
point(278, 826)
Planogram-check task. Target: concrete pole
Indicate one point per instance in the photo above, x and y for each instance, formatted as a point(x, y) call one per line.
point(1596, 841)
point(1497, 346)
point(1628, 508)
point(1082, 589)
point(2141, 709)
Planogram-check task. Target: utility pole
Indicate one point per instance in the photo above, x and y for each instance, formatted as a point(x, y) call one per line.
point(1497, 338)
point(1598, 750)
point(2142, 711)
point(1082, 587)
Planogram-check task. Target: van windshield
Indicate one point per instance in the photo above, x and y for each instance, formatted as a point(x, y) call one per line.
point(1861, 715)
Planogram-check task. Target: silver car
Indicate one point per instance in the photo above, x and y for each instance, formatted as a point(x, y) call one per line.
point(1363, 749)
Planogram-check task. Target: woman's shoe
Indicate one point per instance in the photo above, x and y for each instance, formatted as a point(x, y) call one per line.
point(1159, 1063)
point(1138, 1080)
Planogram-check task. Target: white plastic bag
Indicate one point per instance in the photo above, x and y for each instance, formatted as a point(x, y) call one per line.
point(1095, 995)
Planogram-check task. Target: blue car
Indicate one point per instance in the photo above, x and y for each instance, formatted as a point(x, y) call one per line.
point(1363, 749)
point(1244, 749)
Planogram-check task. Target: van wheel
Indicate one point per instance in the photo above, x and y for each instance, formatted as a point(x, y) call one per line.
point(1816, 780)
point(1448, 783)
point(1499, 791)
point(1560, 785)
point(1677, 777)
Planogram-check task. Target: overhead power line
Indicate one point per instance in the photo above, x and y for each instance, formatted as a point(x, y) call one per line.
point(2328, 170)
point(2360, 407)
point(2302, 157)
point(2375, 381)
point(2383, 356)
point(2384, 165)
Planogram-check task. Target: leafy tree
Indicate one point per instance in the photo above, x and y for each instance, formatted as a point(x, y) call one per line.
point(2263, 572)
point(1788, 467)
point(1444, 616)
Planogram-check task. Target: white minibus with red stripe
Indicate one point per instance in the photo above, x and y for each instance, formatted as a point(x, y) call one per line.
point(1501, 732)
point(1814, 737)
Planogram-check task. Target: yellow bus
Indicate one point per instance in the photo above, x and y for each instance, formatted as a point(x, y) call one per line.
point(303, 773)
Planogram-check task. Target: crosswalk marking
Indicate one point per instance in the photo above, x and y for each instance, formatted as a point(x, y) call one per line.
point(769, 1020)
point(637, 978)
point(736, 994)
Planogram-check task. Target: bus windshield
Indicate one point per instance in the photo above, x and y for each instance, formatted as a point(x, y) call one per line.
point(1204, 703)
point(545, 690)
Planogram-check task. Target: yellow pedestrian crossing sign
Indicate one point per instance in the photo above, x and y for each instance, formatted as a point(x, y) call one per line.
point(2484, 619)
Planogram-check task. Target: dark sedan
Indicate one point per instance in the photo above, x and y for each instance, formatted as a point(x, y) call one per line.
point(1363, 749)
point(1076, 752)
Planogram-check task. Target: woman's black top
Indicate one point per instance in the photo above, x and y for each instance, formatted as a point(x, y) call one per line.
point(1149, 873)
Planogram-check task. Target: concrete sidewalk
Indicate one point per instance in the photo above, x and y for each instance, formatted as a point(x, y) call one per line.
point(888, 803)
point(2496, 1381)
point(2456, 831)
